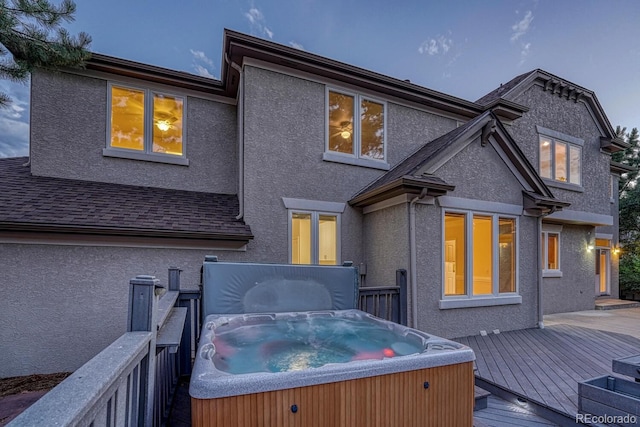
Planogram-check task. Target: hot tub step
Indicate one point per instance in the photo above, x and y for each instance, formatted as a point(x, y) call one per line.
point(481, 396)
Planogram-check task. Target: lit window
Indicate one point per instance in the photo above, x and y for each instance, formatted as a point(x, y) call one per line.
point(479, 254)
point(145, 121)
point(361, 138)
point(550, 243)
point(560, 161)
point(314, 238)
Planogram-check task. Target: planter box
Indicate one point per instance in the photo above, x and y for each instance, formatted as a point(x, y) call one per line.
point(610, 396)
point(629, 366)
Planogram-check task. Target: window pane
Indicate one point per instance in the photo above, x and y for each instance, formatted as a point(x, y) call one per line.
point(341, 108)
point(561, 162)
point(127, 118)
point(603, 243)
point(507, 255)
point(454, 249)
point(545, 158)
point(552, 251)
point(301, 238)
point(372, 130)
point(327, 240)
point(575, 164)
point(482, 255)
point(167, 124)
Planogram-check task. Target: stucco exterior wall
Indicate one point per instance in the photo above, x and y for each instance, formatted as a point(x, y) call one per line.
point(386, 244)
point(574, 119)
point(69, 131)
point(63, 304)
point(575, 290)
point(284, 142)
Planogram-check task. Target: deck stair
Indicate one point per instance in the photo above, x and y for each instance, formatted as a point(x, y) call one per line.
point(613, 304)
point(481, 396)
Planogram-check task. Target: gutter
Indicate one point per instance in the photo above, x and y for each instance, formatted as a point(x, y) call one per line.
point(412, 258)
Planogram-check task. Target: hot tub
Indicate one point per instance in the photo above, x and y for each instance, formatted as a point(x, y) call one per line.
point(283, 345)
point(327, 368)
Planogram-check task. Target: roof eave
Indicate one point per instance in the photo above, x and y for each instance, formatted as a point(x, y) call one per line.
point(403, 185)
point(621, 168)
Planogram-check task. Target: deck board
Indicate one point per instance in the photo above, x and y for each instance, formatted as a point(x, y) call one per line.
point(504, 414)
point(545, 365)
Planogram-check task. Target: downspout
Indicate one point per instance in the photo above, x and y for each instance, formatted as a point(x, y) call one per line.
point(412, 258)
point(240, 120)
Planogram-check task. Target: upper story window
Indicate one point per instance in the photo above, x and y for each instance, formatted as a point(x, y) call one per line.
point(145, 124)
point(356, 131)
point(560, 157)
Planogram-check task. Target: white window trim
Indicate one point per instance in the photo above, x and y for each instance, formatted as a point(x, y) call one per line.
point(555, 136)
point(469, 299)
point(546, 230)
point(148, 154)
point(315, 225)
point(355, 158)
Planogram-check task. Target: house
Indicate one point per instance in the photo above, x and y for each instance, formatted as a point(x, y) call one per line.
point(501, 210)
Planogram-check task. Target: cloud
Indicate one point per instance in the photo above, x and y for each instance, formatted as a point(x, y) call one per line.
point(521, 27)
point(202, 64)
point(258, 23)
point(431, 47)
point(296, 45)
point(524, 52)
point(14, 121)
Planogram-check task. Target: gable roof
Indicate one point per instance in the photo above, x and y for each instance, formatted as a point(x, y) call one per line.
point(509, 92)
point(420, 165)
point(36, 203)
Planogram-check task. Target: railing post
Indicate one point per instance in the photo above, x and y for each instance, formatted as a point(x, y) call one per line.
point(142, 317)
point(401, 282)
point(174, 278)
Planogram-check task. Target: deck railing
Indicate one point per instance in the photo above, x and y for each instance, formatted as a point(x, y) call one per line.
point(132, 381)
point(387, 302)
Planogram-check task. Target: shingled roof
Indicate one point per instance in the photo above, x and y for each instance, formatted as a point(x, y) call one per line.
point(496, 94)
point(36, 203)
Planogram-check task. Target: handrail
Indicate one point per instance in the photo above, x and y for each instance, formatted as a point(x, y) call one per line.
point(94, 388)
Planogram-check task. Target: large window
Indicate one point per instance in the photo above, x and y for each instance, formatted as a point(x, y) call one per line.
point(480, 254)
point(314, 238)
point(145, 121)
point(356, 126)
point(560, 160)
point(550, 244)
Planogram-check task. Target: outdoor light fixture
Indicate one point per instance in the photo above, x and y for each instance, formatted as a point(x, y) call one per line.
point(616, 250)
point(590, 248)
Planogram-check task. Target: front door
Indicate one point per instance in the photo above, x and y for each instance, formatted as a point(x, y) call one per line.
point(603, 271)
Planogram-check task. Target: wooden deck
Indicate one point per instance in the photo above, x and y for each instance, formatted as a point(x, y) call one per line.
point(545, 365)
point(500, 413)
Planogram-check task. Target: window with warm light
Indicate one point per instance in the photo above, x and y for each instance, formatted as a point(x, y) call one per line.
point(550, 245)
point(479, 255)
point(145, 121)
point(560, 161)
point(356, 127)
point(314, 238)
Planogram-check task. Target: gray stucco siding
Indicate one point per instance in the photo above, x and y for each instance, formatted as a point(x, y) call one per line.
point(62, 304)
point(284, 143)
point(574, 119)
point(76, 108)
point(575, 290)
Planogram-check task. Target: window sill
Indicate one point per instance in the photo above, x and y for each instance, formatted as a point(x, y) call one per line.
point(157, 158)
point(551, 273)
point(563, 185)
point(490, 301)
point(367, 163)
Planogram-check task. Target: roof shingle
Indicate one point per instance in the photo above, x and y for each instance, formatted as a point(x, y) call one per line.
point(54, 203)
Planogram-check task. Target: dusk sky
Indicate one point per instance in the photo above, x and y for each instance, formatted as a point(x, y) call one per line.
point(463, 48)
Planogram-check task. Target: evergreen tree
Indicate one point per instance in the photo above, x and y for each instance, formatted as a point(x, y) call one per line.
point(630, 157)
point(30, 31)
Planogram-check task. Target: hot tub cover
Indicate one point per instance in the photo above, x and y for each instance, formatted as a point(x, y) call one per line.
point(232, 288)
